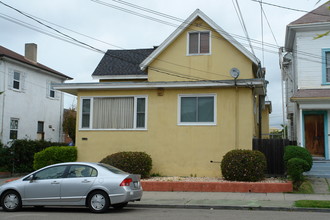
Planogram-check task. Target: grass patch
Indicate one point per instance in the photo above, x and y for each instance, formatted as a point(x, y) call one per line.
point(305, 188)
point(312, 204)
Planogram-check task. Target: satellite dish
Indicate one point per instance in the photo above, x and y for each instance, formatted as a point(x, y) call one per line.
point(234, 72)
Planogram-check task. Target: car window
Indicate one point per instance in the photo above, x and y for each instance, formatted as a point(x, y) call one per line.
point(81, 171)
point(50, 173)
point(112, 169)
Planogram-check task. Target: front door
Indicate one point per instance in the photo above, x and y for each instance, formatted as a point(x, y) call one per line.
point(314, 134)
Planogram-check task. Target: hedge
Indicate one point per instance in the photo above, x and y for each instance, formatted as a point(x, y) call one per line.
point(131, 162)
point(52, 155)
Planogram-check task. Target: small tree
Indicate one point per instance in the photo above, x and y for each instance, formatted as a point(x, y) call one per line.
point(69, 123)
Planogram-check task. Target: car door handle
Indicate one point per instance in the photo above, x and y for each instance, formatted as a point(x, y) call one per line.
point(55, 182)
point(85, 181)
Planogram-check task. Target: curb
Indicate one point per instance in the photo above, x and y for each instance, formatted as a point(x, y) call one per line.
point(251, 208)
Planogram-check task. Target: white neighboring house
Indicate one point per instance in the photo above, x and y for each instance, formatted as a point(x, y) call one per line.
point(306, 78)
point(29, 106)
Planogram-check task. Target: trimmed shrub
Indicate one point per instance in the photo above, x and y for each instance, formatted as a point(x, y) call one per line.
point(131, 162)
point(52, 155)
point(298, 152)
point(5, 159)
point(22, 153)
point(244, 165)
point(295, 169)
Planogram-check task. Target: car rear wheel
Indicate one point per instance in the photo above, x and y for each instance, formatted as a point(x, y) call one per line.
point(119, 206)
point(98, 202)
point(11, 201)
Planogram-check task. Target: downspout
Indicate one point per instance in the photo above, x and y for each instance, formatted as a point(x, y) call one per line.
point(3, 99)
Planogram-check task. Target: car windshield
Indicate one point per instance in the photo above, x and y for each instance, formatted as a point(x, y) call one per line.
point(112, 169)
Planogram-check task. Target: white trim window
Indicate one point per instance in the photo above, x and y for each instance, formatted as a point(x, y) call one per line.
point(16, 80)
point(199, 42)
point(113, 113)
point(51, 92)
point(197, 109)
point(13, 128)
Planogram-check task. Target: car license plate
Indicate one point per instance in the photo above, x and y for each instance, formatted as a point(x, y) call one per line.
point(136, 184)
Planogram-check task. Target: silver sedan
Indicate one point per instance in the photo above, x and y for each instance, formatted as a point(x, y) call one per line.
point(95, 185)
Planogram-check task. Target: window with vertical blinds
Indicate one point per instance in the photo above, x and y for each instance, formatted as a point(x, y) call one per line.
point(113, 113)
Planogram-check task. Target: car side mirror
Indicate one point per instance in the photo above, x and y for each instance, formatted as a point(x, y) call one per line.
point(31, 178)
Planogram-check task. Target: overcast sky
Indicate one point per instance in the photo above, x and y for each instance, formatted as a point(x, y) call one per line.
point(114, 28)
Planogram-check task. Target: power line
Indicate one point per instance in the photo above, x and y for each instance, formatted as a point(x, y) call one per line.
point(77, 42)
point(291, 9)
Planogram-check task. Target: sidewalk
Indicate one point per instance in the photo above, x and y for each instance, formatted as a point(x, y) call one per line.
point(225, 200)
point(219, 200)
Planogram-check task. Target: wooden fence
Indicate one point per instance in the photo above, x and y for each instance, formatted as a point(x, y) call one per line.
point(274, 152)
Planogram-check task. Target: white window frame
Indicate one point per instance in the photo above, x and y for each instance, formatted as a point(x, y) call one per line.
point(198, 123)
point(110, 129)
point(50, 89)
point(10, 128)
point(198, 53)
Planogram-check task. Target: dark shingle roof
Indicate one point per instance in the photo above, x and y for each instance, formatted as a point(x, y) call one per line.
point(4, 52)
point(320, 14)
point(122, 62)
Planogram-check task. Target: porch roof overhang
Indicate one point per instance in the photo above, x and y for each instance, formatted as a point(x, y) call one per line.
point(311, 96)
point(259, 85)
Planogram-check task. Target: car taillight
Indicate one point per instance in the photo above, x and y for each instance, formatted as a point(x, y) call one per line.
point(126, 182)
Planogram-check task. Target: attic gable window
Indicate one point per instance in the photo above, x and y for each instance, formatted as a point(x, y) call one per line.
point(199, 43)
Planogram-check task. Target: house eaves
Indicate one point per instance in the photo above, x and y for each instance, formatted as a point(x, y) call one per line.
point(74, 88)
point(291, 31)
point(11, 56)
point(184, 26)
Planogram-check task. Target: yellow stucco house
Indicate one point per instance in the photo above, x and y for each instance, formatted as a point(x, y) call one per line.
point(187, 102)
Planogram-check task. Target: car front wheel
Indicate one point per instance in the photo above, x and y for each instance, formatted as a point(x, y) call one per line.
point(11, 201)
point(98, 202)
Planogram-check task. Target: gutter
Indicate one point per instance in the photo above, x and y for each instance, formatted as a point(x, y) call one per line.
point(73, 88)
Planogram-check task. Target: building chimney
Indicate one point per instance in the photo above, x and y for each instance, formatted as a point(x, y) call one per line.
point(31, 52)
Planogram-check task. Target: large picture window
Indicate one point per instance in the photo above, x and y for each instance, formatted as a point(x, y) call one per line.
point(113, 113)
point(197, 109)
point(199, 43)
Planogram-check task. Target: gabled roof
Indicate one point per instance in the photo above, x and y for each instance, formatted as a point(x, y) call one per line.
point(4, 52)
point(197, 13)
point(122, 63)
point(318, 19)
point(320, 14)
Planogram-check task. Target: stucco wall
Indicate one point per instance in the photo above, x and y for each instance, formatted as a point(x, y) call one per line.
point(175, 149)
point(215, 66)
point(31, 105)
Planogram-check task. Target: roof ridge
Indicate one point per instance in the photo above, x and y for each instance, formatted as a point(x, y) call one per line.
point(319, 14)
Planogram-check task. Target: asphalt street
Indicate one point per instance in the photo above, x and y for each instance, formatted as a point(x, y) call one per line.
point(159, 214)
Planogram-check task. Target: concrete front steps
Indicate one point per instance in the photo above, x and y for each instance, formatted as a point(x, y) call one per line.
point(321, 168)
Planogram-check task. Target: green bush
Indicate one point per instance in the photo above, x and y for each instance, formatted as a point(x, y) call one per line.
point(5, 159)
point(244, 165)
point(295, 169)
point(52, 155)
point(22, 152)
point(131, 162)
point(298, 152)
